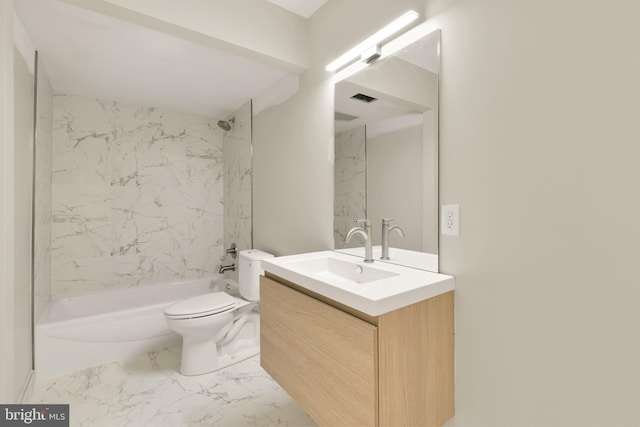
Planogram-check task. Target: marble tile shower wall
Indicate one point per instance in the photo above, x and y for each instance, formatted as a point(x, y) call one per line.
point(237, 181)
point(137, 195)
point(42, 212)
point(349, 184)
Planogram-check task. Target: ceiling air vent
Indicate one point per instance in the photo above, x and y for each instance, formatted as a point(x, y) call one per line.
point(364, 98)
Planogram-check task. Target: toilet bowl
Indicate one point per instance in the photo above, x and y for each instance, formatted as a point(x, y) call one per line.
point(218, 329)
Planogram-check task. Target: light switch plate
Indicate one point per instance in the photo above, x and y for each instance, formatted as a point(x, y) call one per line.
point(450, 220)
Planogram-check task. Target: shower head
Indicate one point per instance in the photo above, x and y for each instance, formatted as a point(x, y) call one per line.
point(226, 124)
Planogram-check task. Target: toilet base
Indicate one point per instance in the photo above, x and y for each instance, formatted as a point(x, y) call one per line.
point(191, 366)
point(198, 357)
point(202, 357)
point(232, 359)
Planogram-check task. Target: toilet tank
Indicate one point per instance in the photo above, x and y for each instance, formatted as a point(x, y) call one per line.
point(249, 273)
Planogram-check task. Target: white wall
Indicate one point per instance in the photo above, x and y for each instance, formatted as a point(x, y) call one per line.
point(7, 391)
point(395, 187)
point(293, 174)
point(539, 146)
point(16, 156)
point(430, 174)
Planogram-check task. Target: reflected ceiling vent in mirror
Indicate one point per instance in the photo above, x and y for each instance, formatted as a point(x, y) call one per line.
point(344, 117)
point(364, 98)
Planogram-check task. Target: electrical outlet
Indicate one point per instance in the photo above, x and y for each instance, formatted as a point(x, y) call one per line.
point(450, 220)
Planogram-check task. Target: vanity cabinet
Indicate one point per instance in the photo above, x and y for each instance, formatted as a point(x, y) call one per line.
point(347, 368)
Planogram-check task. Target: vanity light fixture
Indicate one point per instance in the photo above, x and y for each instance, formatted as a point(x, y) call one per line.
point(373, 40)
point(371, 54)
point(388, 49)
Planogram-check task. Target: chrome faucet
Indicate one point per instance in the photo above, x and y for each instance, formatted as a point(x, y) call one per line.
point(386, 228)
point(224, 268)
point(365, 232)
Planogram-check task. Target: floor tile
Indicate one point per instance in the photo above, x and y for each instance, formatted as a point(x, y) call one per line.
point(148, 391)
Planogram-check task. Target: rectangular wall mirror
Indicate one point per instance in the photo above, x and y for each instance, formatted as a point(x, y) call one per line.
point(386, 154)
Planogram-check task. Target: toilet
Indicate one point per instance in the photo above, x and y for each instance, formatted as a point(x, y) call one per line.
point(219, 329)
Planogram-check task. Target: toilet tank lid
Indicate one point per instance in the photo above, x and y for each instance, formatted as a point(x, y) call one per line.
point(255, 254)
point(213, 303)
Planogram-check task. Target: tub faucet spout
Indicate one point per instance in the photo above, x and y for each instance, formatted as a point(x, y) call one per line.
point(224, 268)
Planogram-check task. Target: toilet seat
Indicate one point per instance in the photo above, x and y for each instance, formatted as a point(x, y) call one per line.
point(201, 306)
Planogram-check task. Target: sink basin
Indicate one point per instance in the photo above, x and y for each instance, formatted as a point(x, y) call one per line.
point(337, 270)
point(372, 288)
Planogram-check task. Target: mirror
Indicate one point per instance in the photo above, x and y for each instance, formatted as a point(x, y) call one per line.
point(386, 154)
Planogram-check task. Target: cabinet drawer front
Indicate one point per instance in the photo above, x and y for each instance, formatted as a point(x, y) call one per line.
point(324, 358)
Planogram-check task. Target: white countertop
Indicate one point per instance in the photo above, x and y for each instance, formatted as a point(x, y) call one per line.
point(406, 287)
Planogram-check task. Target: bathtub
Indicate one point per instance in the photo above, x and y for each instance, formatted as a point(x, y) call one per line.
point(80, 332)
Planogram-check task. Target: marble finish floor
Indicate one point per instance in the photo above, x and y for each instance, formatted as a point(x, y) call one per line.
point(148, 391)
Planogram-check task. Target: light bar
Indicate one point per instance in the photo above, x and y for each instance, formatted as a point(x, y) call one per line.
point(375, 39)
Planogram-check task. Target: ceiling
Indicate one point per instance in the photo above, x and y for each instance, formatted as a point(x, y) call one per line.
point(90, 54)
point(304, 8)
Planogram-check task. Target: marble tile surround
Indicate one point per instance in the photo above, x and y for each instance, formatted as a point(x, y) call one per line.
point(237, 182)
point(137, 195)
point(149, 391)
point(43, 216)
point(349, 185)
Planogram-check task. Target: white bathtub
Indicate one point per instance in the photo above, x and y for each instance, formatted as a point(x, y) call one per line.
point(80, 332)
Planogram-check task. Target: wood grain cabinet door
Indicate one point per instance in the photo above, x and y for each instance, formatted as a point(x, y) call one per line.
point(324, 358)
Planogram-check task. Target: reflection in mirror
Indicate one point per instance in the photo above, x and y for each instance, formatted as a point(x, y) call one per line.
point(386, 152)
